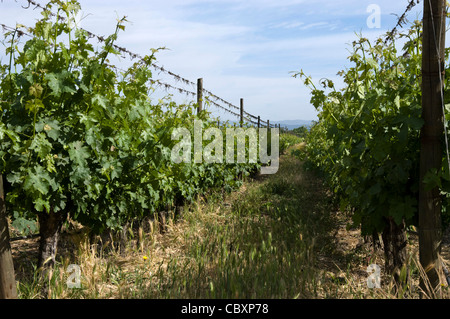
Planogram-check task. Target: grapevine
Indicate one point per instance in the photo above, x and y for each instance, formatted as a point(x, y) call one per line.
point(81, 139)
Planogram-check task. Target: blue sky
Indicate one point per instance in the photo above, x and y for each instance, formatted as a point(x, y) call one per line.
point(241, 48)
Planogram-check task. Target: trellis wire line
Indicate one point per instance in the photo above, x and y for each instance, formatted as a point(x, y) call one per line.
point(251, 115)
point(181, 90)
point(157, 82)
point(221, 107)
point(401, 20)
point(220, 99)
point(19, 32)
point(251, 121)
point(135, 55)
point(248, 119)
point(169, 86)
point(102, 39)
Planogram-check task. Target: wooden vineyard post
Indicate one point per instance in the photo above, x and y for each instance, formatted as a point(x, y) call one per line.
point(259, 121)
point(241, 121)
point(430, 231)
point(7, 278)
point(199, 96)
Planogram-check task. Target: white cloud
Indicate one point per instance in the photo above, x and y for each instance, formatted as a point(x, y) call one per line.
point(287, 25)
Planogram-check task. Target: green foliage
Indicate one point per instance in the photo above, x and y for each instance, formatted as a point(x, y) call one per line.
point(366, 142)
point(301, 131)
point(24, 227)
point(79, 135)
point(287, 140)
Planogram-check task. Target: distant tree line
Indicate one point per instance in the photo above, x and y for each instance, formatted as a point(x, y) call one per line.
point(301, 131)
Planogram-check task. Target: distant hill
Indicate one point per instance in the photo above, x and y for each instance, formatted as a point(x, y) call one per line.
point(291, 124)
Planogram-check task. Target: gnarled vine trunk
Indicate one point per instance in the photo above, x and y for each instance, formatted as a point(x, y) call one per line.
point(50, 225)
point(395, 245)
